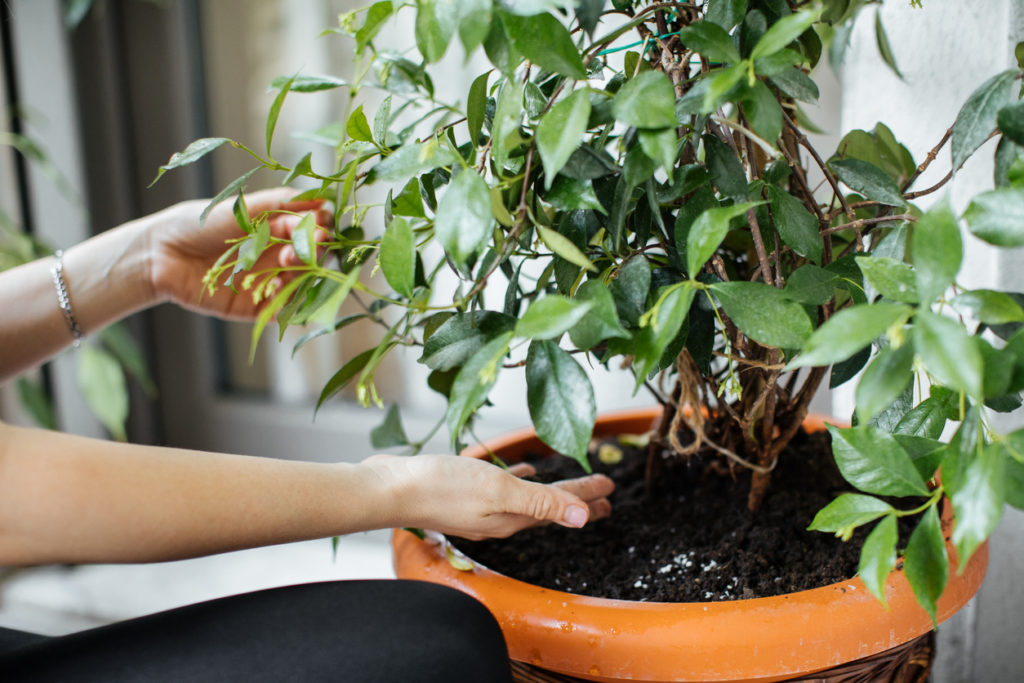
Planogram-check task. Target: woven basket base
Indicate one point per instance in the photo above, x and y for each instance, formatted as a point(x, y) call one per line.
point(910, 662)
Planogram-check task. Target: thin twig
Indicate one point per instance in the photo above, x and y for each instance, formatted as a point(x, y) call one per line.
point(861, 223)
point(806, 144)
point(928, 160)
point(749, 134)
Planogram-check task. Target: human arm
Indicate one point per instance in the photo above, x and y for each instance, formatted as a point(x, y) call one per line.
point(66, 498)
point(158, 258)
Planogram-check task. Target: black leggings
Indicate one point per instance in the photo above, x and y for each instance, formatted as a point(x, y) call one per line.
point(357, 631)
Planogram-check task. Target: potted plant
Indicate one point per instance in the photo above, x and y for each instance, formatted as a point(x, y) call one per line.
point(629, 183)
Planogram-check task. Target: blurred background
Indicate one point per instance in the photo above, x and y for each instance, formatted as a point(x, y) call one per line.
point(110, 89)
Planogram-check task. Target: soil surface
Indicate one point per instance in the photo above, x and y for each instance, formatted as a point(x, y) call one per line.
point(693, 540)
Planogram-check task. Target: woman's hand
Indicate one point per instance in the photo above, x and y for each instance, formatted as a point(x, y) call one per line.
point(473, 499)
point(182, 250)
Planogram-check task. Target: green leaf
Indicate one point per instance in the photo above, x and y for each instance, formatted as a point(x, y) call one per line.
point(1010, 120)
point(505, 125)
point(884, 380)
point(32, 397)
point(726, 13)
point(409, 201)
point(271, 309)
point(601, 321)
point(884, 48)
point(1013, 448)
point(474, 22)
point(989, 306)
point(476, 106)
point(847, 512)
point(867, 179)
point(563, 247)
point(561, 400)
point(569, 194)
point(998, 217)
point(398, 256)
point(893, 279)
point(796, 84)
point(101, 383)
point(324, 314)
point(195, 151)
point(925, 453)
point(660, 145)
point(661, 325)
point(937, 250)
point(928, 418)
point(304, 239)
point(926, 563)
point(543, 40)
point(847, 332)
point(463, 221)
point(550, 316)
point(764, 313)
point(308, 84)
point(412, 159)
point(811, 285)
point(303, 167)
point(783, 32)
point(461, 336)
point(874, 462)
point(376, 15)
point(797, 226)
point(763, 112)
point(435, 24)
point(646, 101)
point(710, 40)
point(977, 118)
point(344, 375)
point(560, 132)
point(389, 432)
point(474, 382)
point(275, 111)
point(725, 168)
point(707, 233)
point(357, 127)
point(978, 502)
point(948, 353)
point(878, 557)
point(119, 341)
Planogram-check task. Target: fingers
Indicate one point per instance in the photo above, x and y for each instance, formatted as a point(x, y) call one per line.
point(276, 199)
point(566, 503)
point(522, 469)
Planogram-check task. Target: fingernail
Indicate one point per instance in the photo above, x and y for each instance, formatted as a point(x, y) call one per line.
point(575, 517)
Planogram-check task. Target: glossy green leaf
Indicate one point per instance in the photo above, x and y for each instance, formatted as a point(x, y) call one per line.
point(601, 321)
point(1013, 448)
point(847, 512)
point(925, 561)
point(928, 418)
point(569, 194)
point(977, 118)
point(349, 371)
point(464, 220)
point(764, 313)
point(412, 159)
point(874, 462)
point(435, 23)
point(308, 83)
point(867, 179)
point(551, 316)
point(561, 400)
point(989, 306)
point(978, 502)
point(543, 40)
point(389, 432)
point(847, 332)
point(564, 248)
point(726, 13)
point(474, 382)
point(505, 126)
point(101, 383)
point(461, 336)
point(811, 285)
point(275, 111)
point(304, 239)
point(948, 353)
point(561, 131)
point(1010, 120)
point(376, 15)
point(476, 106)
point(398, 256)
point(271, 309)
point(33, 399)
point(893, 279)
point(796, 84)
point(474, 18)
point(357, 127)
point(630, 289)
point(762, 111)
point(660, 326)
point(711, 41)
point(725, 168)
point(925, 453)
point(707, 233)
point(783, 32)
point(660, 145)
point(884, 48)
point(647, 101)
point(797, 226)
point(878, 557)
point(325, 313)
point(937, 251)
point(194, 152)
point(119, 341)
point(884, 380)
point(998, 216)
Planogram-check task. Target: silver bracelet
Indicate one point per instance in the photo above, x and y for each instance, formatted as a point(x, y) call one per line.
point(63, 300)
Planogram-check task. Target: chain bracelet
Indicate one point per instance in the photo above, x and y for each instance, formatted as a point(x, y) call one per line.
point(63, 299)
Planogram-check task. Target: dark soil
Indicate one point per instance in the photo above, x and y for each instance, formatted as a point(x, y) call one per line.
point(695, 540)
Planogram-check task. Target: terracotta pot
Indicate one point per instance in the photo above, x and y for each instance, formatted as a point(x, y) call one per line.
point(764, 639)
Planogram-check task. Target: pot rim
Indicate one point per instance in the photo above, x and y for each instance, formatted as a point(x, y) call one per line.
point(758, 639)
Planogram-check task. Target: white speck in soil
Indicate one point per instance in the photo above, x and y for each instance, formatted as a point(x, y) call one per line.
point(666, 569)
point(632, 549)
point(711, 564)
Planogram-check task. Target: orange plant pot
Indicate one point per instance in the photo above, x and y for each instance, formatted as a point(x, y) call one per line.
point(763, 639)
